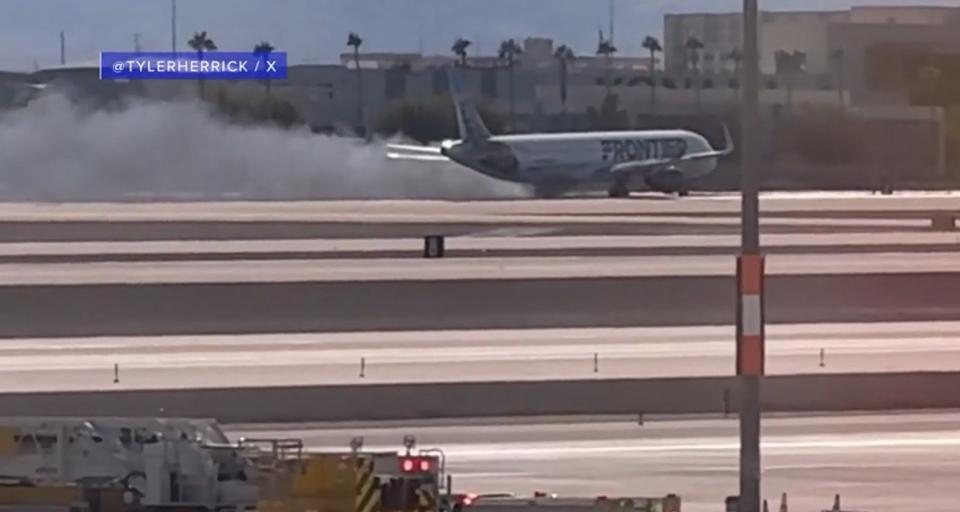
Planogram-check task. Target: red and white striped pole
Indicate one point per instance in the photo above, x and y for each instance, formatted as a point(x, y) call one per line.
point(750, 321)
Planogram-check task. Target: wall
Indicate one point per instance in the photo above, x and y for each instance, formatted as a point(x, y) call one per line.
point(923, 15)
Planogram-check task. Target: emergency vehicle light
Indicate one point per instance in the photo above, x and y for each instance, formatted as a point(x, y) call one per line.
point(415, 465)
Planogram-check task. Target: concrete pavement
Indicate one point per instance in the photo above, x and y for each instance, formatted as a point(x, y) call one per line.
point(644, 214)
point(446, 356)
point(463, 269)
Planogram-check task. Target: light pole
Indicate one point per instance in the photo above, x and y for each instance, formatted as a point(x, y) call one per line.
point(750, 322)
point(173, 25)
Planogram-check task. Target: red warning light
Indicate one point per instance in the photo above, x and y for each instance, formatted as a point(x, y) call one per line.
point(407, 465)
point(424, 465)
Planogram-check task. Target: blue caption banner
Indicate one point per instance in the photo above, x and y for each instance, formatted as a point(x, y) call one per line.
point(193, 66)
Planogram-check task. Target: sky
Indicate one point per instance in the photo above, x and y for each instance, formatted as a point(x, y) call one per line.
point(314, 31)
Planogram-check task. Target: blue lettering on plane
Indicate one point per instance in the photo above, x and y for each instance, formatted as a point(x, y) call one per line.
point(629, 150)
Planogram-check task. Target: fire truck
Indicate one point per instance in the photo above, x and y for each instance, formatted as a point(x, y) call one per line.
point(354, 481)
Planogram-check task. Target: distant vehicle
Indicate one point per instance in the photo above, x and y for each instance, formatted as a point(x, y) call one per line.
point(462, 500)
point(553, 164)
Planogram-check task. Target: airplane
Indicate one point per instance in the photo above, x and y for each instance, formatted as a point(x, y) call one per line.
point(553, 164)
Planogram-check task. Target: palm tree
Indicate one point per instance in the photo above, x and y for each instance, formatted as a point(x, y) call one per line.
point(263, 51)
point(607, 49)
point(789, 65)
point(460, 49)
point(201, 43)
point(509, 49)
point(355, 41)
point(652, 45)
point(839, 59)
point(693, 47)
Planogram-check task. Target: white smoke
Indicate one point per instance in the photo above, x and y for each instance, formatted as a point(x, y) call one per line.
point(52, 149)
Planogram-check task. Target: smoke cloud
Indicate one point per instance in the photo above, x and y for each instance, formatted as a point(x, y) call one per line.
point(56, 150)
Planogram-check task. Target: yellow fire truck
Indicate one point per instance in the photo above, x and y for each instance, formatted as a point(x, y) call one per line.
point(353, 482)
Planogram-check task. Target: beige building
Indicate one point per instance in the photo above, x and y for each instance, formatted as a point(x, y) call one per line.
point(806, 31)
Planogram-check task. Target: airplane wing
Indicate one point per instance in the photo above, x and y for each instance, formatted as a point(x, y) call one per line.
point(413, 149)
point(420, 153)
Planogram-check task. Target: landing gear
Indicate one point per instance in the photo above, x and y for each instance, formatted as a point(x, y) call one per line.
point(547, 193)
point(619, 190)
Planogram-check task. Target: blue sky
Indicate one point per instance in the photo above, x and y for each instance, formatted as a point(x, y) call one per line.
point(314, 31)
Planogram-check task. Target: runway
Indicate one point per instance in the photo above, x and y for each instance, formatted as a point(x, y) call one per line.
point(229, 294)
point(808, 203)
point(645, 214)
point(877, 462)
point(489, 355)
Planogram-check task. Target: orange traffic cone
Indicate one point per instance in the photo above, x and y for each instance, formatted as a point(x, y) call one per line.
point(783, 503)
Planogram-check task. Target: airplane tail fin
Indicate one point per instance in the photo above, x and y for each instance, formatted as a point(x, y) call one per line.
point(471, 125)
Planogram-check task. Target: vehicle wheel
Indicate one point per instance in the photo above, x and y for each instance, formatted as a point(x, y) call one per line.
point(619, 190)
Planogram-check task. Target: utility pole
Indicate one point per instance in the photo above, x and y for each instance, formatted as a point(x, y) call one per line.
point(136, 42)
point(173, 25)
point(750, 268)
point(612, 9)
point(63, 48)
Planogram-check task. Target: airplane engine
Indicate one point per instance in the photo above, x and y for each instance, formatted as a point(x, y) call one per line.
point(668, 181)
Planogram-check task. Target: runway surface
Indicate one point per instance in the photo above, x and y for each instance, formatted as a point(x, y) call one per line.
point(431, 356)
point(648, 214)
point(237, 308)
point(877, 463)
point(449, 269)
point(703, 203)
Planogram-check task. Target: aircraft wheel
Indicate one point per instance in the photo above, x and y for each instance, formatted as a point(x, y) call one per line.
point(619, 190)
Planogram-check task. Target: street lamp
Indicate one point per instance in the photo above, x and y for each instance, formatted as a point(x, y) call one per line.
point(410, 442)
point(356, 444)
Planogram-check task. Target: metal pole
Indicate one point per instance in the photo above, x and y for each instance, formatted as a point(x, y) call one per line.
point(173, 25)
point(750, 145)
point(750, 130)
point(63, 48)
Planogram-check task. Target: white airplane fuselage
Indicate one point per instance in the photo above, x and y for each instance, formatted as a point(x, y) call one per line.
point(591, 160)
point(554, 163)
